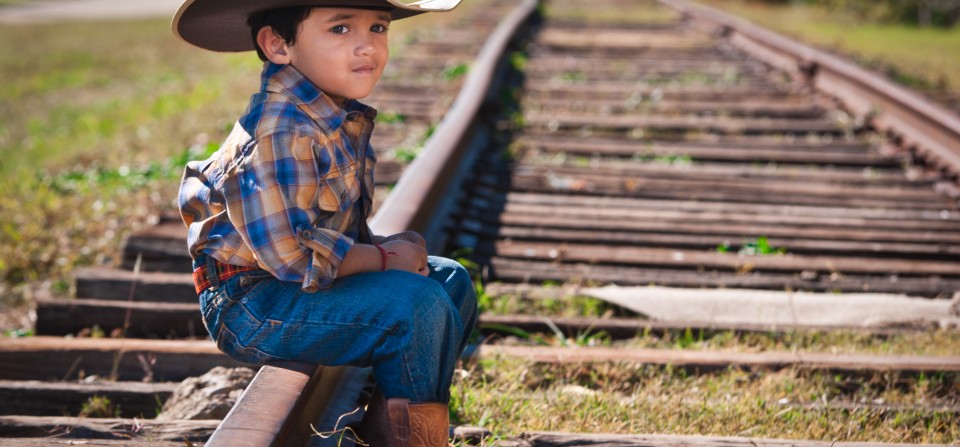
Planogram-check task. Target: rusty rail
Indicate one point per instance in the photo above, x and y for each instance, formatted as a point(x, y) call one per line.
point(283, 400)
point(913, 121)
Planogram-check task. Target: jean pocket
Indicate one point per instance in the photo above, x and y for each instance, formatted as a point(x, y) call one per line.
point(210, 303)
point(230, 344)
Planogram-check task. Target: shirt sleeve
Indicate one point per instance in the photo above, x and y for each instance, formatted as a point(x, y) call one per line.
point(275, 193)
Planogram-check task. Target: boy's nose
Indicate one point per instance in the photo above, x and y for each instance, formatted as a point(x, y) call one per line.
point(365, 47)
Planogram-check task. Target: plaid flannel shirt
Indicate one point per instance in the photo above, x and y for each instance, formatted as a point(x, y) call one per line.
point(283, 192)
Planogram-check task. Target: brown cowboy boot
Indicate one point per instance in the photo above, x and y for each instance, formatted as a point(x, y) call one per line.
point(374, 431)
point(418, 425)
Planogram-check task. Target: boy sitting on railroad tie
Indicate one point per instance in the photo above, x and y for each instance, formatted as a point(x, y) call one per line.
point(285, 265)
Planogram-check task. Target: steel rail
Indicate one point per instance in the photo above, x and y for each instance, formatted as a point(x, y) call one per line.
point(913, 121)
point(283, 400)
point(418, 195)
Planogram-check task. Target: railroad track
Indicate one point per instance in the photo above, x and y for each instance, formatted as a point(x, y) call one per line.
point(737, 172)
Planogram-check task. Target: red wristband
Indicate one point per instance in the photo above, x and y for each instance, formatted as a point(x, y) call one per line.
point(383, 257)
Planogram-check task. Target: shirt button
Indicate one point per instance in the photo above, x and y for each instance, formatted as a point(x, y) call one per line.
point(244, 300)
point(306, 234)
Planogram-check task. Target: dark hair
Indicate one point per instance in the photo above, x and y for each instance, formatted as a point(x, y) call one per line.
point(284, 21)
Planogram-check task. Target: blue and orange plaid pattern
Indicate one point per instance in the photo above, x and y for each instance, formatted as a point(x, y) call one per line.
point(282, 192)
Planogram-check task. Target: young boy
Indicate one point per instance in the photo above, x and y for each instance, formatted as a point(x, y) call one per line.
point(286, 267)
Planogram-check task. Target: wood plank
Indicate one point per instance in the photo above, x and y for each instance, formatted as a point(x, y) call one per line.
point(119, 429)
point(129, 318)
point(780, 308)
point(151, 247)
point(711, 242)
point(534, 88)
point(723, 261)
point(555, 63)
point(621, 328)
point(115, 284)
point(946, 214)
point(689, 73)
point(717, 360)
point(632, 173)
point(684, 179)
point(719, 108)
point(728, 152)
point(58, 358)
point(620, 39)
point(710, 217)
point(161, 248)
point(699, 192)
point(532, 271)
point(708, 124)
point(736, 230)
point(34, 398)
point(554, 439)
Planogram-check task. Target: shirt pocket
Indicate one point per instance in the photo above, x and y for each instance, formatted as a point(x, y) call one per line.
point(339, 193)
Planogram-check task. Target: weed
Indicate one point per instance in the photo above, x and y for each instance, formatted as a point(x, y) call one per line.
point(99, 407)
point(572, 76)
point(342, 434)
point(455, 72)
point(19, 333)
point(518, 60)
point(406, 155)
point(674, 160)
point(391, 118)
point(757, 246)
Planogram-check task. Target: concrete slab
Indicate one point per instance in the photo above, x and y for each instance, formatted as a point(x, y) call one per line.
point(793, 309)
point(52, 11)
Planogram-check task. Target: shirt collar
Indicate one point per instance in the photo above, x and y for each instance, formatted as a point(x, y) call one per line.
point(287, 80)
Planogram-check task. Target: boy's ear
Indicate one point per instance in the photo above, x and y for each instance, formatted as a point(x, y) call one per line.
point(273, 46)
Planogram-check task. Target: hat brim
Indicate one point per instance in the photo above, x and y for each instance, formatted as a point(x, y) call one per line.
point(221, 25)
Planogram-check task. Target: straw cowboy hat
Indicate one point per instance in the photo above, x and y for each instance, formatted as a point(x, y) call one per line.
point(221, 25)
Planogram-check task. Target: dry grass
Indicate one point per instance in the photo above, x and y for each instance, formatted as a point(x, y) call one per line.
point(94, 126)
point(510, 397)
point(921, 58)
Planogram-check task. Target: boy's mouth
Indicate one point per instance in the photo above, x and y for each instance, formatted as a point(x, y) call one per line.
point(364, 69)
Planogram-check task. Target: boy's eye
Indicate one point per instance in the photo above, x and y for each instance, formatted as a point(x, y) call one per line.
point(339, 29)
point(378, 28)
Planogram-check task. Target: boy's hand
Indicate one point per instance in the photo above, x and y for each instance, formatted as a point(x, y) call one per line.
point(407, 256)
point(409, 236)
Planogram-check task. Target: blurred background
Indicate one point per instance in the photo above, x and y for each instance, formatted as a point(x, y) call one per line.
point(101, 106)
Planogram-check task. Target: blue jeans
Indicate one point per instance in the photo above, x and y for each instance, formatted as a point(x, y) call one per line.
point(409, 328)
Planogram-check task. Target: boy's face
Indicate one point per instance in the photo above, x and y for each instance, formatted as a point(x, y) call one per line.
point(342, 50)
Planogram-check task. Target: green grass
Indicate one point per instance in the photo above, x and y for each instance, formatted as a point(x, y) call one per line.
point(919, 57)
